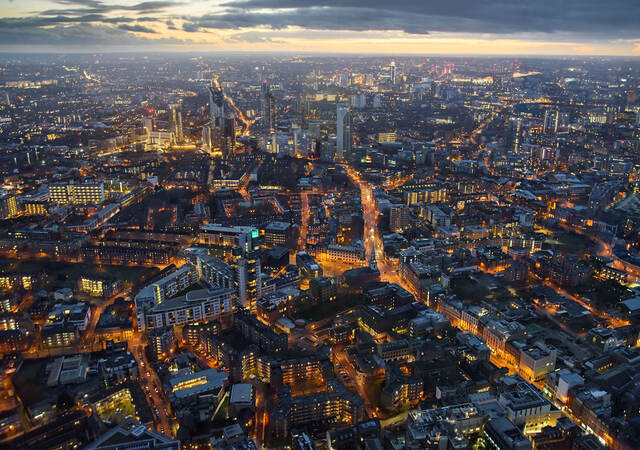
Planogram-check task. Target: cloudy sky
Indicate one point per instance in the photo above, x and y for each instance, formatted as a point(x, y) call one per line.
point(516, 27)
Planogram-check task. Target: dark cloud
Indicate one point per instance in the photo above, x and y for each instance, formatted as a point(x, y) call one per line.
point(37, 22)
point(569, 20)
point(97, 7)
point(85, 22)
point(583, 17)
point(190, 27)
point(87, 3)
point(75, 36)
point(252, 37)
point(136, 28)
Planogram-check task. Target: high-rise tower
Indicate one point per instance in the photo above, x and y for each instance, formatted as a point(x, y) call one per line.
point(268, 108)
point(516, 141)
point(393, 72)
point(176, 124)
point(344, 140)
point(222, 134)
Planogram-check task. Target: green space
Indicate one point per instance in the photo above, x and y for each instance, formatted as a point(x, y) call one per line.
point(119, 411)
point(605, 294)
point(223, 412)
point(60, 271)
point(568, 242)
point(342, 302)
point(372, 391)
point(482, 287)
point(308, 387)
point(30, 381)
point(283, 172)
point(533, 329)
point(469, 290)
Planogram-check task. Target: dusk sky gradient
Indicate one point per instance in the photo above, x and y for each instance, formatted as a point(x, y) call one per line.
point(496, 27)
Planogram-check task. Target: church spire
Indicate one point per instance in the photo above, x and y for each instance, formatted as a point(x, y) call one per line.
point(372, 260)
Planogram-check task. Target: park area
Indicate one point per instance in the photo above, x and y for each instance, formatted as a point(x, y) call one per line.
point(61, 273)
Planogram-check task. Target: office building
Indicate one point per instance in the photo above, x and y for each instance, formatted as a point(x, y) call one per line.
point(207, 142)
point(268, 108)
point(393, 72)
point(224, 238)
point(501, 434)
point(248, 275)
point(328, 409)
point(8, 206)
point(233, 438)
point(208, 384)
point(132, 435)
point(59, 335)
point(526, 407)
point(214, 271)
point(196, 305)
point(164, 288)
point(76, 194)
point(175, 124)
point(398, 218)
point(309, 268)
point(220, 138)
point(242, 397)
point(344, 139)
point(256, 332)
point(445, 427)
point(385, 138)
point(278, 233)
point(72, 429)
point(34, 208)
point(162, 342)
point(323, 289)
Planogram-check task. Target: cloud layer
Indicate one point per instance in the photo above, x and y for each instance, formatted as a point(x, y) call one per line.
point(68, 21)
point(583, 17)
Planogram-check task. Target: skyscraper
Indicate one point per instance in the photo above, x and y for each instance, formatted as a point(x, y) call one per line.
point(343, 130)
point(345, 78)
point(176, 124)
point(222, 133)
point(546, 120)
point(216, 105)
point(268, 108)
point(247, 270)
point(551, 120)
point(206, 138)
point(228, 134)
point(516, 141)
point(239, 246)
point(393, 72)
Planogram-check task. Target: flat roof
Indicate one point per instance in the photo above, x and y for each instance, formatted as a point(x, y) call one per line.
point(241, 393)
point(195, 383)
point(191, 298)
point(633, 303)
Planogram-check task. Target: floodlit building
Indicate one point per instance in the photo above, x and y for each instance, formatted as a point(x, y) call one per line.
point(77, 194)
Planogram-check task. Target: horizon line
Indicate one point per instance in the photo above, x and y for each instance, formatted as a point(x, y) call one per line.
point(312, 53)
